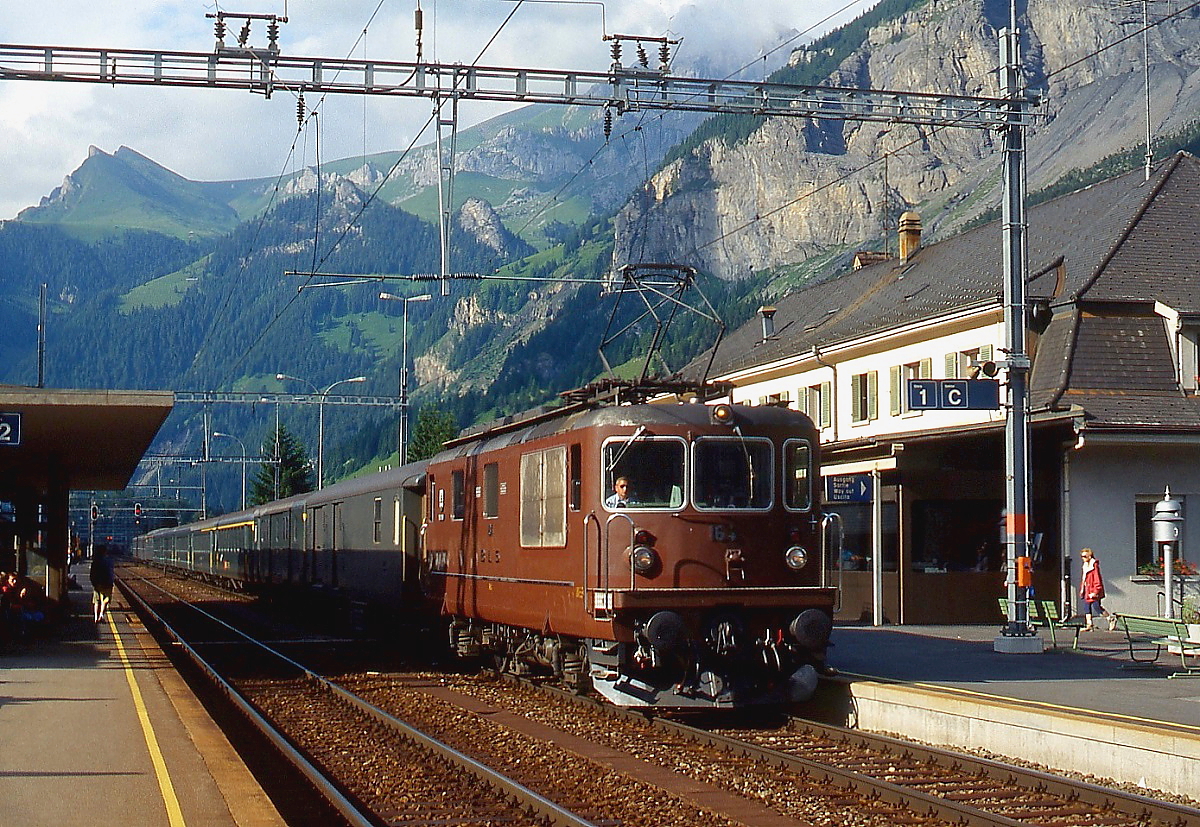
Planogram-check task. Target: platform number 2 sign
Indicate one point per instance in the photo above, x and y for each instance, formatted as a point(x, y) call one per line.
point(10, 429)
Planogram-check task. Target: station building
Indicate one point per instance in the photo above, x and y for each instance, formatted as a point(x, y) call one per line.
point(1114, 290)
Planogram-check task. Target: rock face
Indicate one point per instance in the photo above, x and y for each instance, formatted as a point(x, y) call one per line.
point(797, 188)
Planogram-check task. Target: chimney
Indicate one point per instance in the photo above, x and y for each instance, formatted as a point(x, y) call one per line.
point(768, 321)
point(910, 235)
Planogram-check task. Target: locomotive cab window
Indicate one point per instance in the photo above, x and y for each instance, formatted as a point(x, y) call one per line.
point(733, 473)
point(797, 475)
point(652, 470)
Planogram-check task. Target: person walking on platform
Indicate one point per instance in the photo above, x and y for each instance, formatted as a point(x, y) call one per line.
point(1091, 591)
point(101, 575)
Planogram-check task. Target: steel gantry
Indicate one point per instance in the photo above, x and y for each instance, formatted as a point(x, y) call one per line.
point(621, 89)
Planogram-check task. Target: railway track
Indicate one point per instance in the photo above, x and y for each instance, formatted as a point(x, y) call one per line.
point(620, 768)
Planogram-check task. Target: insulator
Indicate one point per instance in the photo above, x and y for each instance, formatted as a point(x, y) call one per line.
point(642, 57)
point(273, 34)
point(244, 34)
point(607, 123)
point(664, 57)
point(220, 28)
point(418, 19)
point(300, 109)
point(616, 52)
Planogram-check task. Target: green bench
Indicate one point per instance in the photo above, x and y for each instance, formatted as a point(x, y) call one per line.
point(1045, 613)
point(1148, 636)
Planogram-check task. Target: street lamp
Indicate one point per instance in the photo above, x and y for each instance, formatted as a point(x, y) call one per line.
point(320, 417)
point(243, 447)
point(424, 297)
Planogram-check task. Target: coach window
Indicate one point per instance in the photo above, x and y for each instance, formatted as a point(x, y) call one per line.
point(458, 495)
point(797, 475)
point(491, 490)
point(377, 518)
point(733, 473)
point(654, 468)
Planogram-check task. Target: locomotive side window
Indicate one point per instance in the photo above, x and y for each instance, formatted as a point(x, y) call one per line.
point(797, 475)
point(491, 490)
point(653, 468)
point(544, 498)
point(733, 473)
point(459, 495)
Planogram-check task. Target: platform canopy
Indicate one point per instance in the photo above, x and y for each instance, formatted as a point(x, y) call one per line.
point(75, 439)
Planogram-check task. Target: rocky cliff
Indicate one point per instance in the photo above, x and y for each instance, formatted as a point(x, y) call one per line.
point(797, 188)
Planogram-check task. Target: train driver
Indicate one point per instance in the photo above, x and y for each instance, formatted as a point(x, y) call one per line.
point(619, 498)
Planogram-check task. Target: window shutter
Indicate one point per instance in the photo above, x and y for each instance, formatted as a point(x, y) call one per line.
point(951, 365)
point(857, 414)
point(802, 401)
point(896, 379)
point(925, 369)
point(826, 404)
point(873, 395)
point(985, 353)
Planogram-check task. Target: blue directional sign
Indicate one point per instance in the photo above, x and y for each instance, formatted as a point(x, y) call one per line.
point(849, 488)
point(954, 394)
point(10, 429)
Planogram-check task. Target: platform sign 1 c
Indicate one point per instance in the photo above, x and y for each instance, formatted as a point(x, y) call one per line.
point(954, 394)
point(10, 429)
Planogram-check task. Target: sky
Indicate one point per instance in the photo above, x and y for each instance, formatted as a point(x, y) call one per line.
point(46, 128)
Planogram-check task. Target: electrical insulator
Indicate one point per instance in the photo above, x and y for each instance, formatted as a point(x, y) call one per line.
point(607, 123)
point(642, 56)
point(664, 57)
point(616, 52)
point(418, 19)
point(300, 109)
point(244, 34)
point(220, 27)
point(273, 35)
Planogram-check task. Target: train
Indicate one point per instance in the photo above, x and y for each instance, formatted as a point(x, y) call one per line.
point(704, 581)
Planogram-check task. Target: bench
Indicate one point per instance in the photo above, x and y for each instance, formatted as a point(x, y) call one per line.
point(1045, 613)
point(1160, 633)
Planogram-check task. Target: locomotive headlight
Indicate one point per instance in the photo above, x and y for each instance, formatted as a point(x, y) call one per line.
point(722, 414)
point(644, 559)
point(796, 558)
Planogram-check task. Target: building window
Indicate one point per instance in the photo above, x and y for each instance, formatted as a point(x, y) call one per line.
point(864, 396)
point(816, 401)
point(899, 376)
point(958, 364)
point(1143, 528)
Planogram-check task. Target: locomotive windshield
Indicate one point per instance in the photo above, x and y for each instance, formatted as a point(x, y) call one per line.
point(651, 468)
point(733, 473)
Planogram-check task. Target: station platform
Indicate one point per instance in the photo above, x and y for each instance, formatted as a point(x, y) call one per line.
point(1086, 710)
point(96, 727)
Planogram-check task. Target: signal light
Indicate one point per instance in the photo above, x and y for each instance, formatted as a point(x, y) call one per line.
point(722, 414)
point(95, 513)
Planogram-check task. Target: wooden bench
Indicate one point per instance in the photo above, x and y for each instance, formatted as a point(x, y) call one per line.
point(1045, 613)
point(1142, 633)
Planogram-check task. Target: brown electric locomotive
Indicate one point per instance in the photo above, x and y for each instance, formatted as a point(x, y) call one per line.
point(702, 581)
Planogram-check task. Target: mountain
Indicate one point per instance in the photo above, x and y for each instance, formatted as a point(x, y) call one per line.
point(782, 191)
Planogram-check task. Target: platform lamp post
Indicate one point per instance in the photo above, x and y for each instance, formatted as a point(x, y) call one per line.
point(320, 417)
point(241, 445)
point(402, 455)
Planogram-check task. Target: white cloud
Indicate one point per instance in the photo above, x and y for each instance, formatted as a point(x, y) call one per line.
point(213, 134)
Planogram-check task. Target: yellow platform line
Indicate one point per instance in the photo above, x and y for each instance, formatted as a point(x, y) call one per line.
point(174, 814)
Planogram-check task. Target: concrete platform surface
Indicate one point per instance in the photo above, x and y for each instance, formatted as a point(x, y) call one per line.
point(96, 727)
point(1088, 710)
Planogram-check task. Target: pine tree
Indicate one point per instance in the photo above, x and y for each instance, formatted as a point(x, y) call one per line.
point(434, 426)
point(294, 469)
